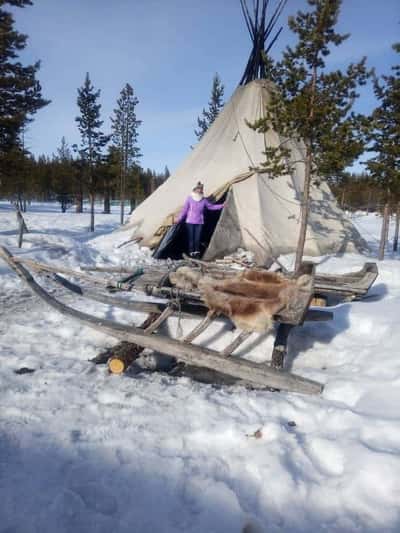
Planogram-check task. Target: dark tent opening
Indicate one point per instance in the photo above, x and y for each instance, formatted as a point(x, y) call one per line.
point(175, 241)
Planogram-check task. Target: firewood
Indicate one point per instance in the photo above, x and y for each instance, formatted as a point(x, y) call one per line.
point(124, 353)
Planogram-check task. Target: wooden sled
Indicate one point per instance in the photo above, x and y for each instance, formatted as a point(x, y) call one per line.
point(348, 287)
point(258, 376)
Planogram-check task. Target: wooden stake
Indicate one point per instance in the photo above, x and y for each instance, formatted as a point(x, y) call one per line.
point(21, 225)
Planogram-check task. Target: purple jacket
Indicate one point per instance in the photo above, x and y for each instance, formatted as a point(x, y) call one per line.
point(193, 210)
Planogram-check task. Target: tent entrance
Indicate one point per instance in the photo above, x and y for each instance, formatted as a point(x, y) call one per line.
point(175, 241)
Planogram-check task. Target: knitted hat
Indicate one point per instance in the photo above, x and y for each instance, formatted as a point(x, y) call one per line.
point(198, 186)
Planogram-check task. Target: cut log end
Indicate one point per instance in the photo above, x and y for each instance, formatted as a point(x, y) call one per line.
point(116, 365)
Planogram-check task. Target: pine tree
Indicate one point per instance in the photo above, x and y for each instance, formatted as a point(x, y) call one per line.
point(125, 135)
point(63, 175)
point(384, 166)
point(20, 93)
point(93, 139)
point(314, 105)
point(214, 107)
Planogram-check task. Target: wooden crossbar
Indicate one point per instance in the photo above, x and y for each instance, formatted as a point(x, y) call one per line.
point(202, 326)
point(168, 311)
point(236, 343)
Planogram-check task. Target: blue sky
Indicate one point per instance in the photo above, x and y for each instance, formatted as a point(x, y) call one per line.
point(168, 50)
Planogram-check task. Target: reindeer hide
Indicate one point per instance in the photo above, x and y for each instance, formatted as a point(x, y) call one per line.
point(250, 299)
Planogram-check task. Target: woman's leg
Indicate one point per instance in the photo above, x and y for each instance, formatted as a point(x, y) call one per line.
point(197, 236)
point(190, 235)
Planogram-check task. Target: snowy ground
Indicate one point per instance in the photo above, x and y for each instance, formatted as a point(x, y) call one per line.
point(83, 451)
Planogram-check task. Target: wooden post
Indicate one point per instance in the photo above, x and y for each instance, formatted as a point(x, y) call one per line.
point(21, 226)
point(396, 230)
point(384, 232)
point(280, 345)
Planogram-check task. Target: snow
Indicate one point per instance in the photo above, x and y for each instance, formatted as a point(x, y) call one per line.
point(84, 451)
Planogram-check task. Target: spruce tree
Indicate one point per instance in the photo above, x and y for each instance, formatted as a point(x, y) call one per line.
point(93, 139)
point(20, 92)
point(125, 136)
point(314, 105)
point(215, 105)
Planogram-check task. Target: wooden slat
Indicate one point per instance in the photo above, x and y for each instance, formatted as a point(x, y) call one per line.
point(236, 343)
point(168, 311)
point(200, 327)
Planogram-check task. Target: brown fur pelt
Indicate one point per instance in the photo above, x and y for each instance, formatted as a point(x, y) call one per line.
point(250, 299)
point(250, 305)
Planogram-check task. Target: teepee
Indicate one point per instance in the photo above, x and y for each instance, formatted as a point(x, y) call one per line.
point(261, 214)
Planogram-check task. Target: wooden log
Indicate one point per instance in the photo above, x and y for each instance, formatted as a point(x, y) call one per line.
point(260, 376)
point(125, 353)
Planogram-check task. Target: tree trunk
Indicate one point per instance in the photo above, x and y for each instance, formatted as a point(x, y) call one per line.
point(122, 214)
point(91, 196)
point(79, 200)
point(342, 199)
point(107, 201)
point(396, 231)
point(305, 206)
point(384, 232)
point(132, 204)
point(122, 192)
point(369, 201)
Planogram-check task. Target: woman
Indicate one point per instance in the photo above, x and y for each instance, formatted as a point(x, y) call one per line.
point(193, 214)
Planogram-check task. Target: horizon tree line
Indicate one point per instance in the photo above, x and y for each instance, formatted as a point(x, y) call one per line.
point(310, 103)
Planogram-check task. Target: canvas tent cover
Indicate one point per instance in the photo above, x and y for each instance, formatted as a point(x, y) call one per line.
point(261, 214)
